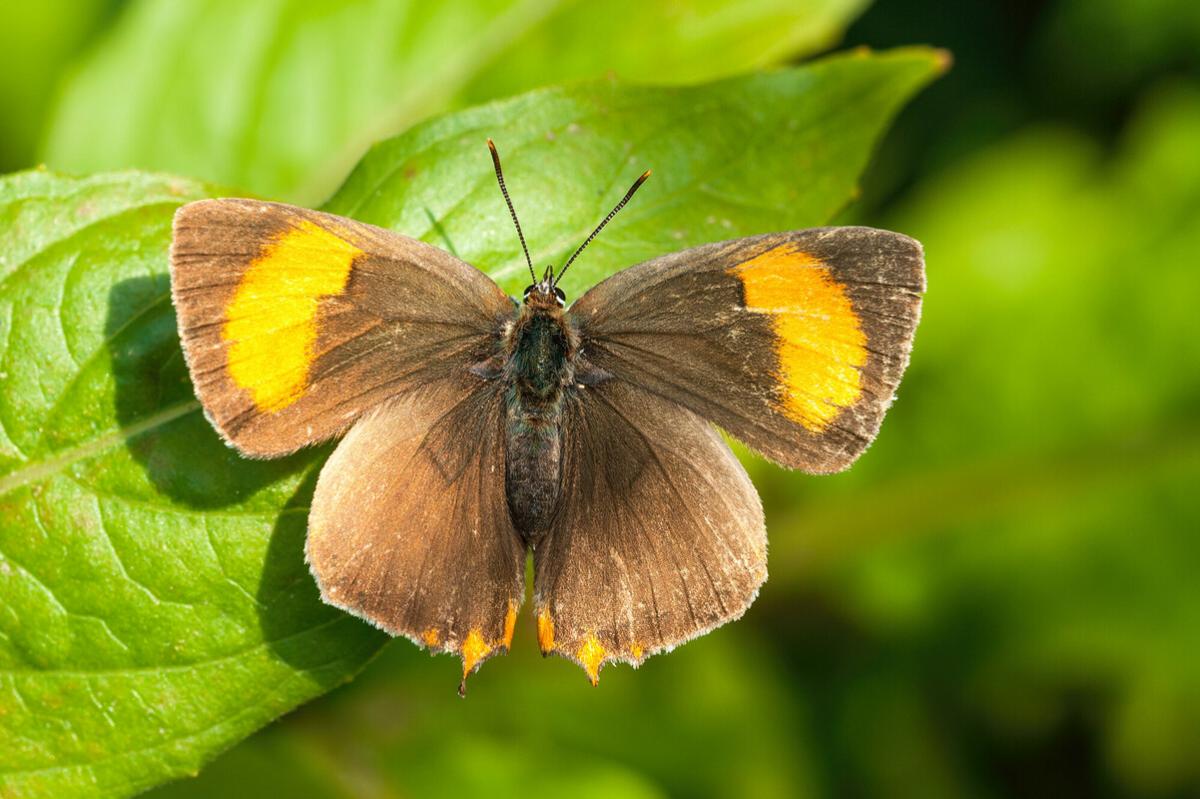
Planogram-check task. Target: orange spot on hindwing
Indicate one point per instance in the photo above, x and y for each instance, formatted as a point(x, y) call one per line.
point(545, 631)
point(271, 321)
point(819, 341)
point(474, 650)
point(510, 624)
point(591, 655)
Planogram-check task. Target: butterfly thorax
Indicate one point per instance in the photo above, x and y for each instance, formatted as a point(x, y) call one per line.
point(540, 349)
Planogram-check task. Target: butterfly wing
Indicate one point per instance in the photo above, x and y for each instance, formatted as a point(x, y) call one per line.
point(409, 527)
point(792, 342)
point(295, 322)
point(659, 537)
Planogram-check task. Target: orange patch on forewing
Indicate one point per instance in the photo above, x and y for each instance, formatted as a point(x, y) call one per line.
point(510, 624)
point(271, 321)
point(591, 655)
point(636, 651)
point(819, 341)
point(431, 636)
point(473, 651)
point(545, 630)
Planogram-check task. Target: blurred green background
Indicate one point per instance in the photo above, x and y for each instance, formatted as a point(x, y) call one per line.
point(1002, 598)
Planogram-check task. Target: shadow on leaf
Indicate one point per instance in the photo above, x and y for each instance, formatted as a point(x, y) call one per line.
point(188, 462)
point(302, 631)
point(184, 458)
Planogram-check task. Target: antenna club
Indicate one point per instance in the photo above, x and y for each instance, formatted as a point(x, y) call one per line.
point(512, 211)
point(637, 183)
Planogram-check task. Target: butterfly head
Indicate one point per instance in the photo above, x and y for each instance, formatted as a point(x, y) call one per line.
point(544, 293)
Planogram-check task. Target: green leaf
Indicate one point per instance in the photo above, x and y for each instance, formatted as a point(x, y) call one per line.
point(281, 98)
point(154, 603)
point(770, 151)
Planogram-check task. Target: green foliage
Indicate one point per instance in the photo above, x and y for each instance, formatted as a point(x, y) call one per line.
point(1002, 587)
point(531, 725)
point(772, 151)
point(281, 98)
point(36, 40)
point(1067, 290)
point(1096, 49)
point(998, 600)
point(156, 607)
point(1016, 557)
point(155, 604)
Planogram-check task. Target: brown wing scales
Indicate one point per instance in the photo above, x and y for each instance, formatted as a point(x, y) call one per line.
point(409, 527)
point(659, 537)
point(792, 342)
point(294, 322)
point(299, 325)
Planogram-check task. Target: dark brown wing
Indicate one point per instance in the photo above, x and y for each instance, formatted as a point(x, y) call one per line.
point(409, 526)
point(659, 535)
point(295, 322)
point(792, 342)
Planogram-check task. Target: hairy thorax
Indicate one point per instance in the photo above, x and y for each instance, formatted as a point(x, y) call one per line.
point(540, 351)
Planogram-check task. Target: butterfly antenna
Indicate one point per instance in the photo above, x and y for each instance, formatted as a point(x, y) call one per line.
point(511, 210)
point(637, 184)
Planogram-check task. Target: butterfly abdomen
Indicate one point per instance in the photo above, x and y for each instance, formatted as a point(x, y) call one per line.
point(541, 350)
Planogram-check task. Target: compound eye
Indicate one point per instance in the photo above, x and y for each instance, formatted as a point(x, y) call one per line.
point(561, 295)
point(528, 291)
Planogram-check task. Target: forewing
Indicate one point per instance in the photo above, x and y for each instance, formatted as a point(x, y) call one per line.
point(658, 537)
point(409, 527)
point(792, 342)
point(295, 322)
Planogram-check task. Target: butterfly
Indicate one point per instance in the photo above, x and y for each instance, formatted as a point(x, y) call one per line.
point(477, 429)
